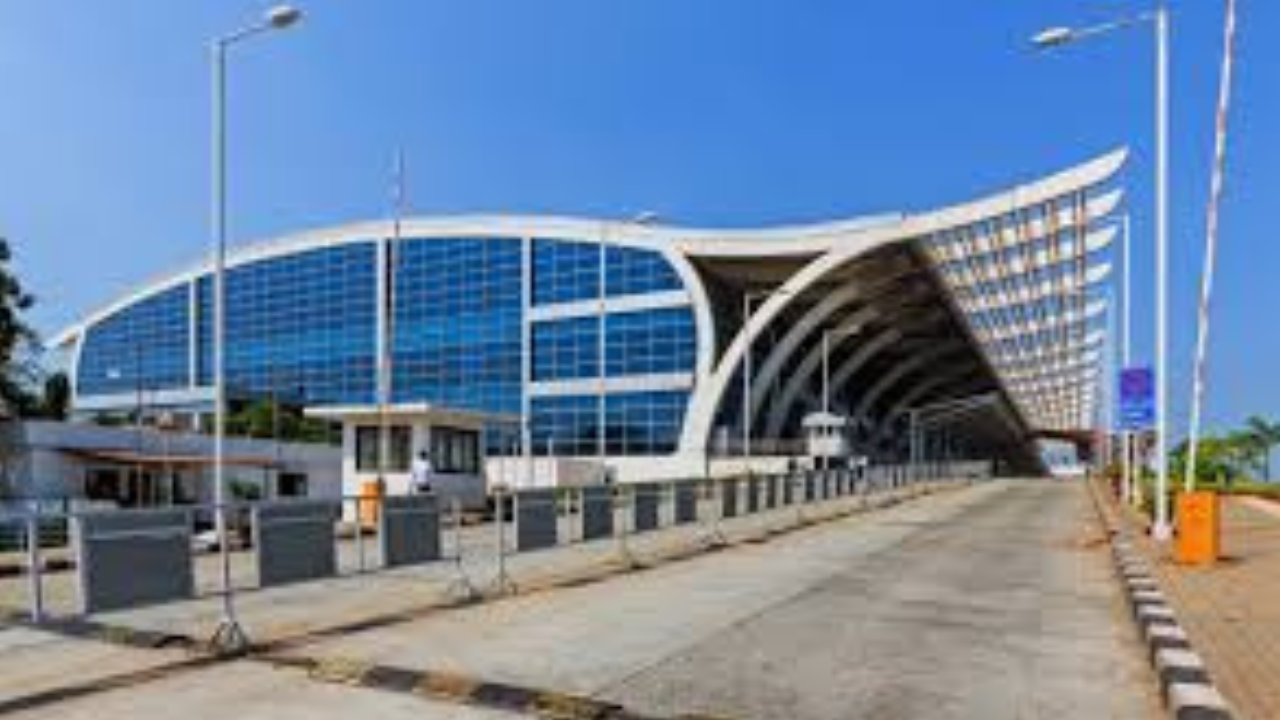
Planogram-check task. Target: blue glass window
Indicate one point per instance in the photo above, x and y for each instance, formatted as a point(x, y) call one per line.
point(458, 323)
point(644, 423)
point(143, 346)
point(302, 323)
point(565, 271)
point(630, 271)
point(637, 423)
point(566, 349)
point(650, 341)
point(565, 425)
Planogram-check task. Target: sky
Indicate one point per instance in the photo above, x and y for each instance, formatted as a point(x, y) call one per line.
point(715, 112)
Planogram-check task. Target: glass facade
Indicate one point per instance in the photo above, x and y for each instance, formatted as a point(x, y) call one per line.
point(144, 346)
point(565, 424)
point(644, 423)
point(566, 349)
point(302, 323)
point(458, 323)
point(650, 341)
point(636, 423)
point(565, 271)
point(306, 323)
point(568, 271)
point(629, 271)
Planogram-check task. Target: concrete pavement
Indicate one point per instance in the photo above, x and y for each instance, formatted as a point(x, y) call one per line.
point(1230, 611)
point(994, 602)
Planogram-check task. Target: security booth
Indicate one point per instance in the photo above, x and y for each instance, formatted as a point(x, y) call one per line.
point(451, 440)
point(827, 438)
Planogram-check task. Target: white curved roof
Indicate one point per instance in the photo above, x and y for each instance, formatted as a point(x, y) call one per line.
point(948, 234)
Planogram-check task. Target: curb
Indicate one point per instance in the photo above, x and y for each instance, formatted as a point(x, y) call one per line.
point(464, 690)
point(1185, 685)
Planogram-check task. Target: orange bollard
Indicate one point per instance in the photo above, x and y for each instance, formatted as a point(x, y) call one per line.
point(367, 506)
point(1199, 529)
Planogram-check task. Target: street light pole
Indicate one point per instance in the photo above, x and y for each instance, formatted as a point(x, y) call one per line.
point(229, 635)
point(827, 334)
point(747, 327)
point(640, 219)
point(1159, 18)
point(1161, 530)
point(1126, 482)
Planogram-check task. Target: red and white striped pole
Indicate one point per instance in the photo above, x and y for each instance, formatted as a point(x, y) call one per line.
point(1211, 239)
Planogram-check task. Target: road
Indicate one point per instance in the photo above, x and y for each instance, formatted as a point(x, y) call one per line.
point(995, 601)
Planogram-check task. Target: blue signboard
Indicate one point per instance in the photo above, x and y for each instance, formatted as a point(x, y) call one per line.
point(1137, 399)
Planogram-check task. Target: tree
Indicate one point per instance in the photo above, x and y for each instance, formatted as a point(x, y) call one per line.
point(16, 339)
point(1267, 436)
point(1240, 449)
point(56, 399)
point(1216, 459)
point(262, 418)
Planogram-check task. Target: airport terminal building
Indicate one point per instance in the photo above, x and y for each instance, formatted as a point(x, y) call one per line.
point(656, 347)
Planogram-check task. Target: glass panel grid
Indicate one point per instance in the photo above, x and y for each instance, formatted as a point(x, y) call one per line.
point(142, 347)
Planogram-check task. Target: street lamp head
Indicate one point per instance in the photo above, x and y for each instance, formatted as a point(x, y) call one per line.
point(282, 16)
point(1053, 37)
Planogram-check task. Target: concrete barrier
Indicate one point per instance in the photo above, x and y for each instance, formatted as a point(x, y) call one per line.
point(294, 540)
point(686, 502)
point(646, 502)
point(129, 558)
point(729, 498)
point(597, 512)
point(771, 491)
point(536, 513)
point(753, 495)
point(409, 530)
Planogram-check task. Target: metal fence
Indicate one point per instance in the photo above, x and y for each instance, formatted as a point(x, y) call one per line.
point(124, 559)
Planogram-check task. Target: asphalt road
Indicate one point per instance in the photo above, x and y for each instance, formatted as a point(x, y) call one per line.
point(1005, 609)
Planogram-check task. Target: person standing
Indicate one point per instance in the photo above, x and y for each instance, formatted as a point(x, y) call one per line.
point(423, 474)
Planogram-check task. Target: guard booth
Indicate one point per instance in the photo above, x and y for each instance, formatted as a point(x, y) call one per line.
point(453, 441)
point(827, 438)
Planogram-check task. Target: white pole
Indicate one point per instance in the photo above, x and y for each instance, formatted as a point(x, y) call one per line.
point(826, 371)
point(746, 381)
point(525, 431)
point(1161, 529)
point(1127, 479)
point(601, 355)
point(387, 327)
point(1211, 243)
point(229, 634)
point(219, 300)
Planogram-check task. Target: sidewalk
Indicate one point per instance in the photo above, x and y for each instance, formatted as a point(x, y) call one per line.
point(358, 600)
point(1231, 612)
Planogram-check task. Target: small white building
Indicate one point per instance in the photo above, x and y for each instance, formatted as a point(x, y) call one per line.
point(452, 441)
point(828, 437)
point(77, 463)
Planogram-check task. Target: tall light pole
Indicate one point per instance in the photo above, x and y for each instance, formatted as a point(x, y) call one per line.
point(748, 297)
point(827, 335)
point(1159, 19)
point(229, 635)
point(602, 279)
point(1129, 484)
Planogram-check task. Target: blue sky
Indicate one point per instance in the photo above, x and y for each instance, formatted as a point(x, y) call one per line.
point(715, 112)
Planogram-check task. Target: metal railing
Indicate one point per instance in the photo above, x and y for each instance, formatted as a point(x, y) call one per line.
point(131, 558)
